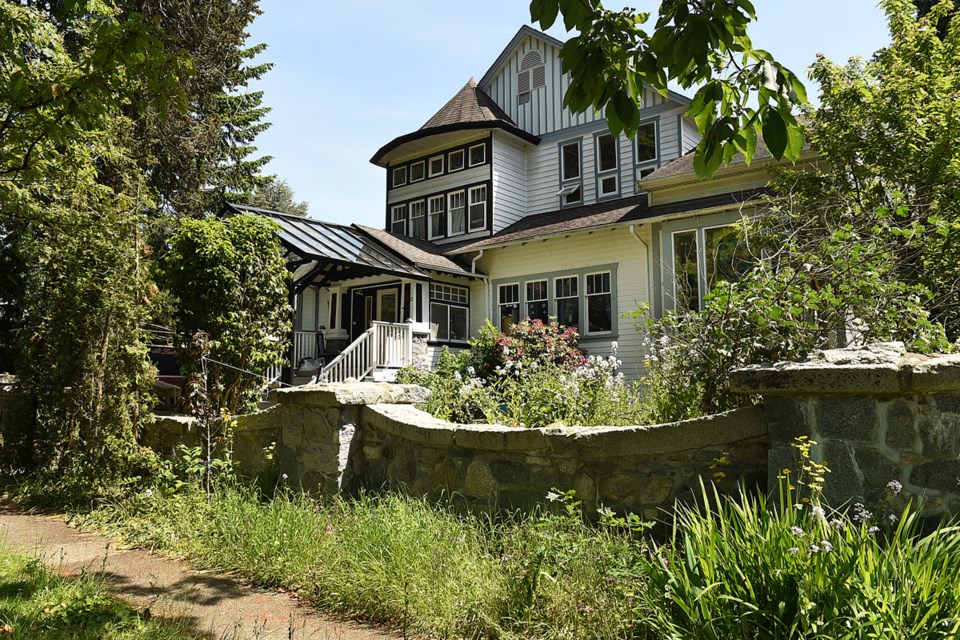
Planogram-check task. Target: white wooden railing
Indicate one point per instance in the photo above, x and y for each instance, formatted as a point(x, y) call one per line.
point(304, 346)
point(383, 345)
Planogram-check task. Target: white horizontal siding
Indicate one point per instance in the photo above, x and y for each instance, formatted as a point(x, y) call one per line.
point(509, 182)
point(691, 137)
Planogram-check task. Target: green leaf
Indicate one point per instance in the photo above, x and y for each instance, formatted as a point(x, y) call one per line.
point(774, 132)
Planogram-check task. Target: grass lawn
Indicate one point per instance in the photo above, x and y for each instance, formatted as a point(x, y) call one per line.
point(36, 604)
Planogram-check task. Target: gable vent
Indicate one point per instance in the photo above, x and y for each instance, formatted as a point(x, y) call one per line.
point(532, 75)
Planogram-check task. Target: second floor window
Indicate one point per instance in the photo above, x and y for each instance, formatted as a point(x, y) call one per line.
point(399, 176)
point(607, 165)
point(418, 220)
point(570, 190)
point(455, 160)
point(438, 226)
point(456, 213)
point(478, 208)
point(647, 143)
point(478, 154)
point(417, 171)
point(398, 219)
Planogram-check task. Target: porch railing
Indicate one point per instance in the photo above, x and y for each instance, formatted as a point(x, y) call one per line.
point(304, 346)
point(383, 345)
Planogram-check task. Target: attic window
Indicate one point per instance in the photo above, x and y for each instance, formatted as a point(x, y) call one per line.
point(532, 75)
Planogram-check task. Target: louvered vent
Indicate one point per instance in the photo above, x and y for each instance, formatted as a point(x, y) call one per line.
point(532, 75)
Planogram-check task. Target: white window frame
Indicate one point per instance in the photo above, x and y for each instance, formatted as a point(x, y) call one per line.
point(402, 210)
point(483, 148)
point(607, 174)
point(449, 297)
point(527, 300)
point(394, 172)
point(647, 162)
point(463, 160)
point(471, 203)
point(576, 297)
point(518, 303)
point(422, 206)
point(463, 212)
point(569, 186)
point(442, 199)
point(430, 172)
point(585, 323)
point(423, 171)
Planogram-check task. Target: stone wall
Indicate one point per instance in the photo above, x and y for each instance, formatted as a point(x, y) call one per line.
point(877, 414)
point(370, 436)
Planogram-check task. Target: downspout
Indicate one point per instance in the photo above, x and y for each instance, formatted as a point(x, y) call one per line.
point(486, 284)
point(646, 249)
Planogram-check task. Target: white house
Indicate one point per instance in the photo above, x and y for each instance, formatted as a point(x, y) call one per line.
point(504, 205)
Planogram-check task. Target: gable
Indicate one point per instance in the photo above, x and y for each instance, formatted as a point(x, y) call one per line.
point(540, 110)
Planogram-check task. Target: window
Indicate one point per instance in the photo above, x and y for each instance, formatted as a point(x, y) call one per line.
point(456, 209)
point(418, 220)
point(647, 142)
point(532, 75)
point(567, 297)
point(703, 258)
point(537, 300)
point(478, 154)
point(509, 305)
point(570, 192)
point(399, 176)
point(448, 313)
point(478, 208)
point(334, 297)
point(398, 219)
point(455, 160)
point(417, 171)
point(599, 303)
point(436, 166)
point(607, 165)
point(437, 219)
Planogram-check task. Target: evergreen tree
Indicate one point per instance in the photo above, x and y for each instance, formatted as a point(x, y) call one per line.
point(276, 195)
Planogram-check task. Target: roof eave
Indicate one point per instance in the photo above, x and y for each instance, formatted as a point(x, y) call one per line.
point(729, 171)
point(377, 158)
point(523, 32)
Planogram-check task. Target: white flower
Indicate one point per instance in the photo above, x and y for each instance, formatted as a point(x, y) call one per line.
point(795, 530)
point(457, 376)
point(148, 492)
point(793, 551)
point(819, 512)
point(826, 546)
point(471, 371)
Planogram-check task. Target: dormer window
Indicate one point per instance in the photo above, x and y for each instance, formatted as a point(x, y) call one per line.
point(399, 176)
point(532, 75)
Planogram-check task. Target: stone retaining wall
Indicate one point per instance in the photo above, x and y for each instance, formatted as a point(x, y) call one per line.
point(877, 414)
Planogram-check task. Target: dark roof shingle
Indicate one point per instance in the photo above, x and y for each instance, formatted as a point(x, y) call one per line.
point(420, 253)
point(469, 105)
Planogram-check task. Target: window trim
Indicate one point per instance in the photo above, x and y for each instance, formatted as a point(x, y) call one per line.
point(438, 300)
point(423, 215)
point(528, 301)
point(651, 163)
point(442, 197)
point(430, 172)
point(450, 195)
point(471, 203)
point(586, 304)
point(423, 175)
point(463, 160)
point(393, 176)
point(483, 147)
point(555, 310)
point(606, 174)
point(567, 185)
point(500, 304)
point(402, 208)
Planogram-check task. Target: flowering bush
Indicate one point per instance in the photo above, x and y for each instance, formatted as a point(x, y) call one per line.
point(534, 376)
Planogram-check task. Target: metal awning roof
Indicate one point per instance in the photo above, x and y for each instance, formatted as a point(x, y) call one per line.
point(330, 244)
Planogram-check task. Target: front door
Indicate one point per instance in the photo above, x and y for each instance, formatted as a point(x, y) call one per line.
point(373, 304)
point(387, 305)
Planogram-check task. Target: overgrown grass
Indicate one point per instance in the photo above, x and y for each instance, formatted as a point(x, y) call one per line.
point(731, 567)
point(36, 604)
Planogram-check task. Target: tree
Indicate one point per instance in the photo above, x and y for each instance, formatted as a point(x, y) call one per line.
point(276, 195)
point(696, 43)
point(230, 282)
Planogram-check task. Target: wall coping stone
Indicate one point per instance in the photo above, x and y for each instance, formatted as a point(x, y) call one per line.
point(875, 370)
point(329, 395)
point(417, 426)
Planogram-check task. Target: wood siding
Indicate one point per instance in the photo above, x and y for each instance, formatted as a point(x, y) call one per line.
point(509, 181)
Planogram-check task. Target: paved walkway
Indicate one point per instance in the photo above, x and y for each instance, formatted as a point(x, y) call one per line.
point(219, 605)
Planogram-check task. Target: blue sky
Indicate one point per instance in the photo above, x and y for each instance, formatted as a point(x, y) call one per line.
point(351, 76)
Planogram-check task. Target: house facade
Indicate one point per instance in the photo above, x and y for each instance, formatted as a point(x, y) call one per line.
point(506, 205)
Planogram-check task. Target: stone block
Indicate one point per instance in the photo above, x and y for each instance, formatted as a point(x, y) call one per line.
point(787, 419)
point(522, 499)
point(936, 373)
point(402, 467)
point(619, 486)
point(585, 489)
point(496, 438)
point(655, 491)
point(847, 418)
point(948, 402)
point(942, 475)
point(445, 477)
point(351, 393)
point(877, 469)
point(901, 425)
point(321, 426)
point(479, 482)
point(937, 437)
point(292, 434)
point(845, 480)
point(409, 423)
point(509, 472)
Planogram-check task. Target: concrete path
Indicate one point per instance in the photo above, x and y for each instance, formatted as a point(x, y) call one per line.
point(219, 605)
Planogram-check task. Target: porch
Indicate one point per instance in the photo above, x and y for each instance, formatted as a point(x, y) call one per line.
point(378, 353)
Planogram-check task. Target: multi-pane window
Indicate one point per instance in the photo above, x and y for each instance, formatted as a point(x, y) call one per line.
point(686, 273)
point(457, 207)
point(726, 255)
point(418, 220)
point(478, 154)
point(647, 142)
point(567, 296)
point(537, 307)
point(455, 160)
point(436, 166)
point(703, 258)
point(437, 218)
point(448, 313)
point(607, 165)
point(399, 176)
point(478, 208)
point(398, 219)
point(509, 304)
point(417, 171)
point(570, 190)
point(599, 302)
